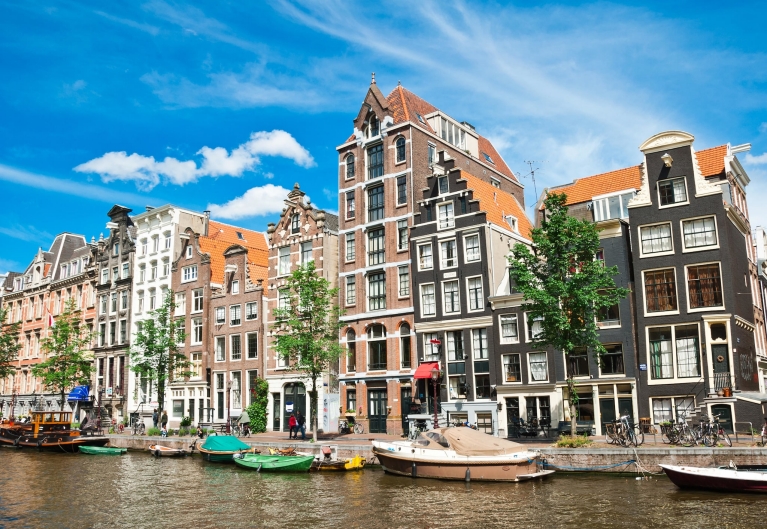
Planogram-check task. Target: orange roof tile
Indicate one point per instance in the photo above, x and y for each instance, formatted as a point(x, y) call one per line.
point(221, 236)
point(486, 147)
point(404, 104)
point(498, 204)
point(711, 161)
point(584, 189)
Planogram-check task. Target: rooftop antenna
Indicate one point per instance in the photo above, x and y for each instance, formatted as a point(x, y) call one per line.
point(531, 174)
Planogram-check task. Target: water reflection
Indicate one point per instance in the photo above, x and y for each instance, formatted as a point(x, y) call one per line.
point(136, 490)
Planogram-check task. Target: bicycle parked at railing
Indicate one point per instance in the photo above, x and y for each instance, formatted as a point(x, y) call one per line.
point(138, 428)
point(711, 432)
point(622, 432)
point(680, 433)
point(346, 427)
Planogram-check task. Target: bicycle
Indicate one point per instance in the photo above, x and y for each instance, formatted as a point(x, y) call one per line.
point(719, 432)
point(138, 428)
point(345, 427)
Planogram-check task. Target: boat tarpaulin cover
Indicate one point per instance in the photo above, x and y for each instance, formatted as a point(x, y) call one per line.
point(224, 443)
point(79, 393)
point(470, 442)
point(424, 370)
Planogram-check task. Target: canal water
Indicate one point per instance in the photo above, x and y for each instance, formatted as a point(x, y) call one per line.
point(138, 491)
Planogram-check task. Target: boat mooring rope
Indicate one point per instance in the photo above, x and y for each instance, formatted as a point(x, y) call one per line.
point(546, 464)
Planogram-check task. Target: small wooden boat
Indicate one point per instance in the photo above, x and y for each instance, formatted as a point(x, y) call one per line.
point(723, 479)
point(47, 430)
point(102, 450)
point(354, 463)
point(221, 448)
point(166, 451)
point(264, 463)
point(460, 453)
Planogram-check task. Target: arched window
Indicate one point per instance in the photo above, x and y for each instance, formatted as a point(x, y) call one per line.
point(376, 347)
point(400, 149)
point(375, 127)
point(351, 346)
point(404, 346)
point(295, 225)
point(350, 166)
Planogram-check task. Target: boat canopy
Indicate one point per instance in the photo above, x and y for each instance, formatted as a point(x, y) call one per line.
point(79, 394)
point(470, 442)
point(224, 443)
point(424, 370)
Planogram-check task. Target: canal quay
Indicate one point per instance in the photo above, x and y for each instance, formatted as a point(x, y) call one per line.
point(137, 490)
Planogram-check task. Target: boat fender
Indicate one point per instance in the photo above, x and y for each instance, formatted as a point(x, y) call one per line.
point(413, 470)
point(16, 441)
point(468, 475)
point(39, 444)
point(157, 452)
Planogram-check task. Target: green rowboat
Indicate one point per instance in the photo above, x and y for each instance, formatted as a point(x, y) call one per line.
point(102, 450)
point(266, 463)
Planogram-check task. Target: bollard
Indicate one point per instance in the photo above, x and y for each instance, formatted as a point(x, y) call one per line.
point(413, 472)
point(468, 475)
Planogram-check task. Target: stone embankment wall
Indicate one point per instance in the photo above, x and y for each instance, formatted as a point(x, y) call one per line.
point(564, 459)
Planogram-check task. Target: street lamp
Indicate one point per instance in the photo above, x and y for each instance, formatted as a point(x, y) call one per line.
point(434, 377)
point(228, 406)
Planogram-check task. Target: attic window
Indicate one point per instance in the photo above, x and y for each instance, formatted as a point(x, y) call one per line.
point(487, 157)
point(239, 236)
point(420, 118)
point(495, 183)
point(512, 223)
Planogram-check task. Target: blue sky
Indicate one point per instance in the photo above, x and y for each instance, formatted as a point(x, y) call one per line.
point(223, 105)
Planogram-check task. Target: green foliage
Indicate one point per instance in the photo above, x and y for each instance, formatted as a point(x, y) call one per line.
point(577, 441)
point(153, 431)
point(186, 421)
point(306, 331)
point(67, 358)
point(10, 345)
point(183, 432)
point(155, 355)
point(75, 425)
point(564, 284)
point(257, 410)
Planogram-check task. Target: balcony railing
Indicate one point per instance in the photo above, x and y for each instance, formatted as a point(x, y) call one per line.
point(721, 381)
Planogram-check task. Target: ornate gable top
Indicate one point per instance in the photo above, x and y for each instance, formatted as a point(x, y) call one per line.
point(670, 139)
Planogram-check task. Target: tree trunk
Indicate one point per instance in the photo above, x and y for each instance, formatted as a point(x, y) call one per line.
point(573, 426)
point(313, 408)
point(62, 400)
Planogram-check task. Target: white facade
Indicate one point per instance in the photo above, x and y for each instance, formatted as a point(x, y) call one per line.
point(157, 244)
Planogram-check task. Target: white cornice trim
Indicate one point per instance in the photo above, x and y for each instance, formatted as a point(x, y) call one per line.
point(670, 139)
point(454, 325)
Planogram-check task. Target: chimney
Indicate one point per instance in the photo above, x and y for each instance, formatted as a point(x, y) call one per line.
point(206, 213)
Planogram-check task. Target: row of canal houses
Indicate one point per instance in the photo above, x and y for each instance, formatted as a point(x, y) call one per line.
point(428, 214)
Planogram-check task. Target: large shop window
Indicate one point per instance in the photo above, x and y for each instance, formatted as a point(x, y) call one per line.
point(705, 284)
point(660, 290)
point(699, 233)
point(674, 345)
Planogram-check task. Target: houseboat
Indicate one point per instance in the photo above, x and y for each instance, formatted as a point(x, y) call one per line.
point(47, 430)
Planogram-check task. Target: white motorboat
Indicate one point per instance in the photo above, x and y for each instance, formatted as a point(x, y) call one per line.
point(725, 479)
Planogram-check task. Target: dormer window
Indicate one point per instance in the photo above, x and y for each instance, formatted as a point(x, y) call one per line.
point(239, 235)
point(495, 183)
point(488, 158)
point(452, 133)
point(420, 118)
point(295, 225)
point(512, 223)
point(189, 251)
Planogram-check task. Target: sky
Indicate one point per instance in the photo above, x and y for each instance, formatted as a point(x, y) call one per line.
point(225, 105)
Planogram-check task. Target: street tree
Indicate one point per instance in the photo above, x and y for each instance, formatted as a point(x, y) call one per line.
point(68, 360)
point(306, 329)
point(564, 285)
point(10, 345)
point(155, 354)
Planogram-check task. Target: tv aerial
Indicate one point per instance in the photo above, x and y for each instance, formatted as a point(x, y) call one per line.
point(531, 174)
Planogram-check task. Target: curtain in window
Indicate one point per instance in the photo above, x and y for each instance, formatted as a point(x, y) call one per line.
point(705, 286)
point(687, 356)
point(683, 406)
point(699, 232)
point(660, 355)
point(538, 366)
point(660, 290)
point(661, 410)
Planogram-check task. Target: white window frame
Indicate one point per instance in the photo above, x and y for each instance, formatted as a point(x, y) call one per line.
point(644, 293)
point(513, 316)
point(449, 222)
point(251, 315)
point(430, 350)
point(601, 203)
point(434, 300)
point(675, 204)
point(189, 251)
point(220, 311)
point(302, 249)
point(466, 248)
point(642, 253)
point(674, 363)
point(189, 273)
point(503, 372)
point(431, 255)
point(218, 340)
point(530, 378)
point(283, 261)
point(247, 345)
point(231, 314)
point(481, 297)
point(195, 326)
point(528, 334)
point(716, 246)
point(687, 288)
point(231, 347)
point(403, 270)
point(198, 295)
point(235, 287)
point(457, 283)
point(442, 261)
point(350, 285)
point(474, 351)
point(350, 256)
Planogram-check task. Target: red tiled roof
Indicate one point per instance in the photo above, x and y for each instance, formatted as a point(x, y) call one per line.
point(221, 236)
point(584, 189)
point(486, 147)
point(404, 105)
point(711, 161)
point(498, 204)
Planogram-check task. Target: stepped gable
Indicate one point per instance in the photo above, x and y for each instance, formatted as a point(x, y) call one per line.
point(221, 236)
point(498, 204)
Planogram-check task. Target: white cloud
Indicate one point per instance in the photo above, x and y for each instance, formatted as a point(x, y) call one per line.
point(25, 233)
point(147, 172)
point(256, 201)
point(755, 160)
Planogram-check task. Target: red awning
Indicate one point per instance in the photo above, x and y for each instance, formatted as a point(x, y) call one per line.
point(424, 370)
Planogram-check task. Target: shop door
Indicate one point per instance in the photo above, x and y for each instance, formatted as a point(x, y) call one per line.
point(725, 415)
point(295, 393)
point(377, 410)
point(406, 397)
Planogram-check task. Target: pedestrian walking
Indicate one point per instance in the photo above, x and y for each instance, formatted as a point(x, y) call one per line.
point(292, 423)
point(155, 417)
point(164, 419)
point(301, 420)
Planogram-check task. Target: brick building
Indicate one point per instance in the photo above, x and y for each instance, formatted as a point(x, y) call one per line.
point(302, 234)
point(383, 167)
point(113, 267)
